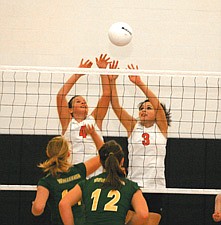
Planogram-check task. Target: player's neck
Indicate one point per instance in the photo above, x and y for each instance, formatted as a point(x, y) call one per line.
point(147, 123)
point(79, 117)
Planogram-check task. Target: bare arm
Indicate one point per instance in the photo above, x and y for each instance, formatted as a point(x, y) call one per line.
point(62, 103)
point(102, 106)
point(125, 118)
point(75, 194)
point(141, 209)
point(66, 203)
point(94, 163)
point(160, 114)
point(39, 203)
point(217, 209)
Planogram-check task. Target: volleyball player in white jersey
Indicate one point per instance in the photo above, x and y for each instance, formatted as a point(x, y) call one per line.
point(147, 136)
point(74, 116)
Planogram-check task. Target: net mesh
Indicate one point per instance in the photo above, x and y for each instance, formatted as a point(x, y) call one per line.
point(28, 103)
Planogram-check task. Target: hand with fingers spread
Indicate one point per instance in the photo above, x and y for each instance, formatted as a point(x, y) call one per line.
point(103, 61)
point(90, 129)
point(132, 67)
point(87, 64)
point(134, 78)
point(113, 65)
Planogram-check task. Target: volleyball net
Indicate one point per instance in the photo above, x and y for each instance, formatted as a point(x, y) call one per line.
point(28, 104)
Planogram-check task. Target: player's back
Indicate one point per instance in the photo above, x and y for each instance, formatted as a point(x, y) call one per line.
point(105, 206)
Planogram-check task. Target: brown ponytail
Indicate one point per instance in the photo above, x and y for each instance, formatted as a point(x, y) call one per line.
point(111, 154)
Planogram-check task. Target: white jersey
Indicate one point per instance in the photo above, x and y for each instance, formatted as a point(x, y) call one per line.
point(82, 145)
point(146, 154)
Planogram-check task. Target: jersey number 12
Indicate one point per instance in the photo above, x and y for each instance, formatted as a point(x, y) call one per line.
point(110, 205)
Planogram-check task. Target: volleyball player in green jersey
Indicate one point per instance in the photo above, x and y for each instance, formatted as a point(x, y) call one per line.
point(108, 196)
point(62, 176)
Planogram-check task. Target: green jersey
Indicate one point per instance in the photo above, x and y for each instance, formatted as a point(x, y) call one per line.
point(104, 206)
point(59, 186)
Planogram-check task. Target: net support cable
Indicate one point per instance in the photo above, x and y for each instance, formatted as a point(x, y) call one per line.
point(146, 190)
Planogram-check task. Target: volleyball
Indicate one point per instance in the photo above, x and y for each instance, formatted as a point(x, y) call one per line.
point(120, 34)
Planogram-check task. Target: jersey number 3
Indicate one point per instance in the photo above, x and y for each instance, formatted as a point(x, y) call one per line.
point(146, 139)
point(110, 205)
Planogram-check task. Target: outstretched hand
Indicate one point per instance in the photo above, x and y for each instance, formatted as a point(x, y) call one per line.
point(87, 64)
point(113, 65)
point(90, 129)
point(134, 78)
point(103, 61)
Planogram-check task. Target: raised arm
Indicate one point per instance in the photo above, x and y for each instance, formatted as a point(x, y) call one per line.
point(160, 114)
point(62, 103)
point(102, 106)
point(125, 118)
point(94, 163)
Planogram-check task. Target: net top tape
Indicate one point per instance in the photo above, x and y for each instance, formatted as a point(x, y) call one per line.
point(126, 72)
